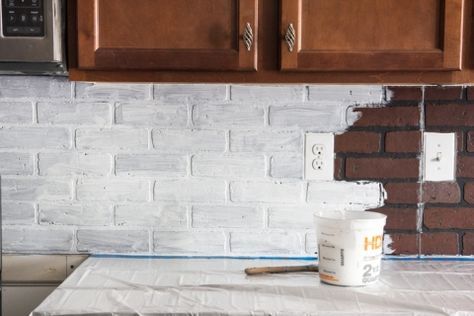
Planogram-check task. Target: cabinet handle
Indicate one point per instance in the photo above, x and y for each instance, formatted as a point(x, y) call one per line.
point(248, 37)
point(290, 37)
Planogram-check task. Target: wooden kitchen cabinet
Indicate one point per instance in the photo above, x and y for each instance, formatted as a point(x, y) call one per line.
point(364, 35)
point(167, 34)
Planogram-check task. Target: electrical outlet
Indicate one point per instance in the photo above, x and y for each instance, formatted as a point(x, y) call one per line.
point(319, 156)
point(440, 156)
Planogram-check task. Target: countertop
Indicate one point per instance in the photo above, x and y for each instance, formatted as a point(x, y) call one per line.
point(108, 285)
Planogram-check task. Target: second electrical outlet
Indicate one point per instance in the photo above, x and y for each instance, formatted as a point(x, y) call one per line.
point(319, 156)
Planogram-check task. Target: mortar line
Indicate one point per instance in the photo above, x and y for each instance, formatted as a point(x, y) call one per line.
point(421, 177)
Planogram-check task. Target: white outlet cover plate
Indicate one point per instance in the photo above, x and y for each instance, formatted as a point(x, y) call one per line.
point(440, 156)
point(319, 165)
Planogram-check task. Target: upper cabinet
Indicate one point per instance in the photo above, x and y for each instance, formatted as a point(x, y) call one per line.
point(167, 34)
point(361, 35)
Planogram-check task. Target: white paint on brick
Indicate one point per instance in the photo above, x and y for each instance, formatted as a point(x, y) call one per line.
point(265, 191)
point(112, 241)
point(228, 115)
point(73, 163)
point(346, 195)
point(30, 239)
point(16, 164)
point(291, 217)
point(151, 215)
point(169, 242)
point(189, 93)
point(153, 165)
point(266, 141)
point(388, 245)
point(112, 91)
point(34, 87)
point(311, 244)
point(152, 114)
point(75, 214)
point(190, 190)
point(225, 216)
point(267, 243)
point(325, 117)
point(14, 213)
point(35, 189)
point(286, 166)
point(188, 141)
point(34, 138)
point(112, 190)
point(348, 94)
point(228, 165)
point(16, 112)
point(267, 93)
point(107, 139)
point(80, 113)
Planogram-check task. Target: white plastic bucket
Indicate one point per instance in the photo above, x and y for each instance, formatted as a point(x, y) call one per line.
point(349, 246)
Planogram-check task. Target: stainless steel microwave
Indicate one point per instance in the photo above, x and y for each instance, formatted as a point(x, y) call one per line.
point(32, 37)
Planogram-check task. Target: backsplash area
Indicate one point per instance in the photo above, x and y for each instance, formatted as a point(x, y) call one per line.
point(218, 169)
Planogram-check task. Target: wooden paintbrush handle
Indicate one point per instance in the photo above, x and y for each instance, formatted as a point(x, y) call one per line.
point(260, 270)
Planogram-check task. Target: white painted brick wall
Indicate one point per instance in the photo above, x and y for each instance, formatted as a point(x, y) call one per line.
point(188, 169)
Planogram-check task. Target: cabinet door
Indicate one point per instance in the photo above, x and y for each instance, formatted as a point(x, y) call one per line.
point(167, 34)
point(358, 35)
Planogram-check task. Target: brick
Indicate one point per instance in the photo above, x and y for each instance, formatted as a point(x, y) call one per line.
point(238, 166)
point(291, 217)
point(112, 91)
point(441, 192)
point(34, 87)
point(405, 193)
point(339, 168)
point(33, 189)
point(75, 214)
point(151, 215)
point(80, 113)
point(469, 192)
point(188, 141)
point(16, 112)
point(403, 142)
point(112, 241)
point(153, 165)
point(401, 244)
point(450, 115)
point(34, 240)
point(399, 218)
point(223, 216)
point(346, 195)
point(437, 93)
point(14, 213)
point(189, 93)
point(470, 141)
point(400, 116)
point(448, 218)
point(34, 138)
point(288, 166)
point(468, 244)
point(382, 168)
point(228, 115)
point(266, 141)
point(267, 93)
point(353, 94)
point(271, 192)
point(315, 117)
point(357, 142)
point(440, 243)
point(400, 93)
point(151, 114)
point(470, 93)
point(182, 243)
point(80, 164)
point(265, 243)
point(190, 190)
point(16, 164)
point(112, 190)
point(111, 139)
point(465, 167)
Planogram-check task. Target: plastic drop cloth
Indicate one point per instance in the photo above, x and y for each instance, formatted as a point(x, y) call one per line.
point(144, 286)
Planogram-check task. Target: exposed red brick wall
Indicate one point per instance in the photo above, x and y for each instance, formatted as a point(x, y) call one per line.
point(431, 218)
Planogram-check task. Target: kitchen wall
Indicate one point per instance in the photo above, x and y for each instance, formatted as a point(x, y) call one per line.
point(217, 169)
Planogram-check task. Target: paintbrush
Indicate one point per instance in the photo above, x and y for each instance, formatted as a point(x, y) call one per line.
point(261, 270)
